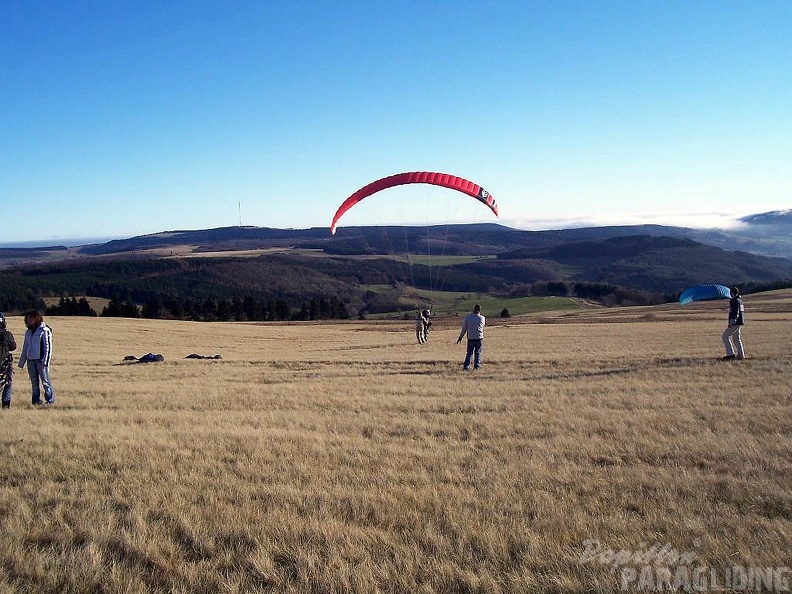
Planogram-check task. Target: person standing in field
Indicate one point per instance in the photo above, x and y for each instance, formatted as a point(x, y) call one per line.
point(422, 324)
point(37, 353)
point(473, 326)
point(731, 336)
point(7, 344)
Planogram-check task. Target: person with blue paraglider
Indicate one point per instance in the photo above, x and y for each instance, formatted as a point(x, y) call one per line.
point(731, 336)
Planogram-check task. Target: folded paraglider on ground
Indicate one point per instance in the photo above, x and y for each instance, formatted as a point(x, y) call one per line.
point(147, 358)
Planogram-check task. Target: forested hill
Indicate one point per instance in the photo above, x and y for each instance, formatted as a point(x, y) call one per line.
point(473, 239)
point(343, 275)
point(220, 239)
point(765, 234)
point(368, 268)
point(662, 264)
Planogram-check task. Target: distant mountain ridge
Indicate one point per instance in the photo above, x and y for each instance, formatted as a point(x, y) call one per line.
point(775, 217)
point(766, 234)
point(296, 266)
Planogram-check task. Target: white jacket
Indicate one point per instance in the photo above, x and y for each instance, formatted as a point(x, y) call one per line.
point(473, 326)
point(38, 346)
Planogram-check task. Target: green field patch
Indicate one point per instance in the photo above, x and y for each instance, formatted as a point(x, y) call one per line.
point(443, 302)
point(379, 289)
point(428, 260)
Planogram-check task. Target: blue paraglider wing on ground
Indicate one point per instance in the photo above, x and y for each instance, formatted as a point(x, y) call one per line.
point(704, 293)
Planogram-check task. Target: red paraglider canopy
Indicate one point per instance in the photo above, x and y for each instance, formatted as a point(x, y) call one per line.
point(416, 177)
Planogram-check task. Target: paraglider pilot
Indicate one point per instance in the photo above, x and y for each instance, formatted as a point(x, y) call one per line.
point(422, 324)
point(731, 336)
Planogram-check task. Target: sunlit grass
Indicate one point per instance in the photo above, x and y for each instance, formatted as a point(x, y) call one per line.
point(346, 458)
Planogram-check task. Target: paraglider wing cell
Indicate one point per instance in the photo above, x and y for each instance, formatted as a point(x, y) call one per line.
point(704, 293)
point(416, 177)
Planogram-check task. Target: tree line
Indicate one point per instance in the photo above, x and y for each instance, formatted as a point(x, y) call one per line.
point(249, 308)
point(208, 310)
point(297, 287)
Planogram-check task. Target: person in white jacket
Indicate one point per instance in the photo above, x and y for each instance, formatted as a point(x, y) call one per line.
point(473, 326)
point(37, 354)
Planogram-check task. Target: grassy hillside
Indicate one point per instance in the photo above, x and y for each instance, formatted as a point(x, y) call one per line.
point(345, 458)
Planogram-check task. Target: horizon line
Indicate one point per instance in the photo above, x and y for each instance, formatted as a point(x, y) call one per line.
point(714, 221)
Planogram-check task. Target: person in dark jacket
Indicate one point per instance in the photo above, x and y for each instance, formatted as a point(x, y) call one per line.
point(731, 336)
point(37, 353)
point(7, 344)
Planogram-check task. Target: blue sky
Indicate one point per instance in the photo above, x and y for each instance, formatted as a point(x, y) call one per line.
point(125, 118)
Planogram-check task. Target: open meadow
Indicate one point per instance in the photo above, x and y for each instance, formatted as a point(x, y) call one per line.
point(595, 449)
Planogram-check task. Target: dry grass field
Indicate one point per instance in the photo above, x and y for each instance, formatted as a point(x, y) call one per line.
point(347, 458)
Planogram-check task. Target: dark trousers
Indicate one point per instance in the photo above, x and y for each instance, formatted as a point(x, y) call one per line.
point(473, 352)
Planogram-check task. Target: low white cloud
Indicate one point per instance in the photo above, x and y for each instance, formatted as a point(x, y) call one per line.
point(702, 220)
